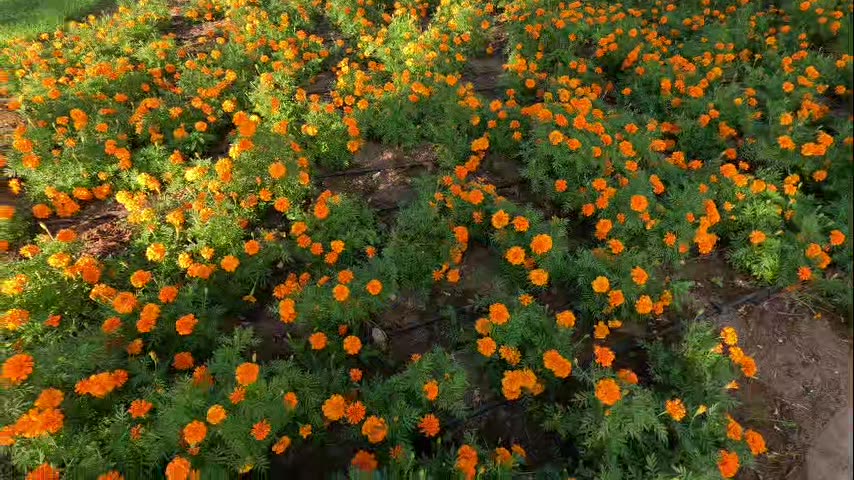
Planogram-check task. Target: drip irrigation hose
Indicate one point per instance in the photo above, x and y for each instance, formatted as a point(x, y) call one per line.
point(753, 298)
point(458, 422)
point(361, 171)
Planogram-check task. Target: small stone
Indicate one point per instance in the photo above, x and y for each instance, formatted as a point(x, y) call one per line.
point(380, 337)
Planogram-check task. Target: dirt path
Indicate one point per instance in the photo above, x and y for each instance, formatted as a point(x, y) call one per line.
point(802, 398)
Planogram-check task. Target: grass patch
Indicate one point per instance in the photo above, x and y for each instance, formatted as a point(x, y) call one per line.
point(31, 17)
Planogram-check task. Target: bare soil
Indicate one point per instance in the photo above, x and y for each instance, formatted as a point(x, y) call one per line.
point(8, 121)
point(185, 31)
point(484, 72)
point(382, 175)
point(269, 329)
point(101, 226)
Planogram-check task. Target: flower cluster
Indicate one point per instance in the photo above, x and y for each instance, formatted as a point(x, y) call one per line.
point(255, 311)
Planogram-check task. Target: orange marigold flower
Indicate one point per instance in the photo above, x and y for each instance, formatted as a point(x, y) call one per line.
point(555, 362)
point(140, 278)
point(345, 277)
point(539, 277)
point(511, 355)
point(616, 298)
point(644, 305)
point(290, 400)
point(603, 228)
point(500, 219)
point(216, 414)
point(756, 442)
point(281, 445)
point(541, 244)
point(352, 345)
point(49, 398)
point(837, 238)
point(483, 326)
point(101, 384)
point(431, 390)
point(515, 255)
point(616, 246)
point(183, 361)
point(467, 461)
point(608, 392)
point(639, 276)
point(804, 273)
point(375, 429)
point(168, 294)
point(429, 425)
point(111, 475)
point(461, 234)
point(156, 252)
point(355, 413)
point(178, 469)
point(247, 373)
point(729, 336)
point(125, 302)
point(639, 203)
point(186, 324)
point(601, 331)
point(111, 325)
point(601, 284)
point(748, 366)
point(66, 235)
point(287, 310)
point(317, 340)
point(374, 287)
point(202, 377)
point(480, 144)
point(604, 356)
point(757, 237)
point(364, 461)
point(676, 409)
point(134, 347)
point(17, 368)
point(515, 380)
point(521, 224)
point(733, 429)
point(44, 472)
point(503, 457)
point(341, 292)
point(252, 247)
point(627, 376)
point(486, 346)
point(565, 319)
point(334, 407)
point(195, 432)
point(728, 463)
point(41, 211)
point(261, 430)
point(140, 408)
point(498, 314)
point(229, 263)
point(277, 170)
point(147, 318)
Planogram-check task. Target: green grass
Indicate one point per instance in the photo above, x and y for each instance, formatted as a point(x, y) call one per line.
point(31, 17)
